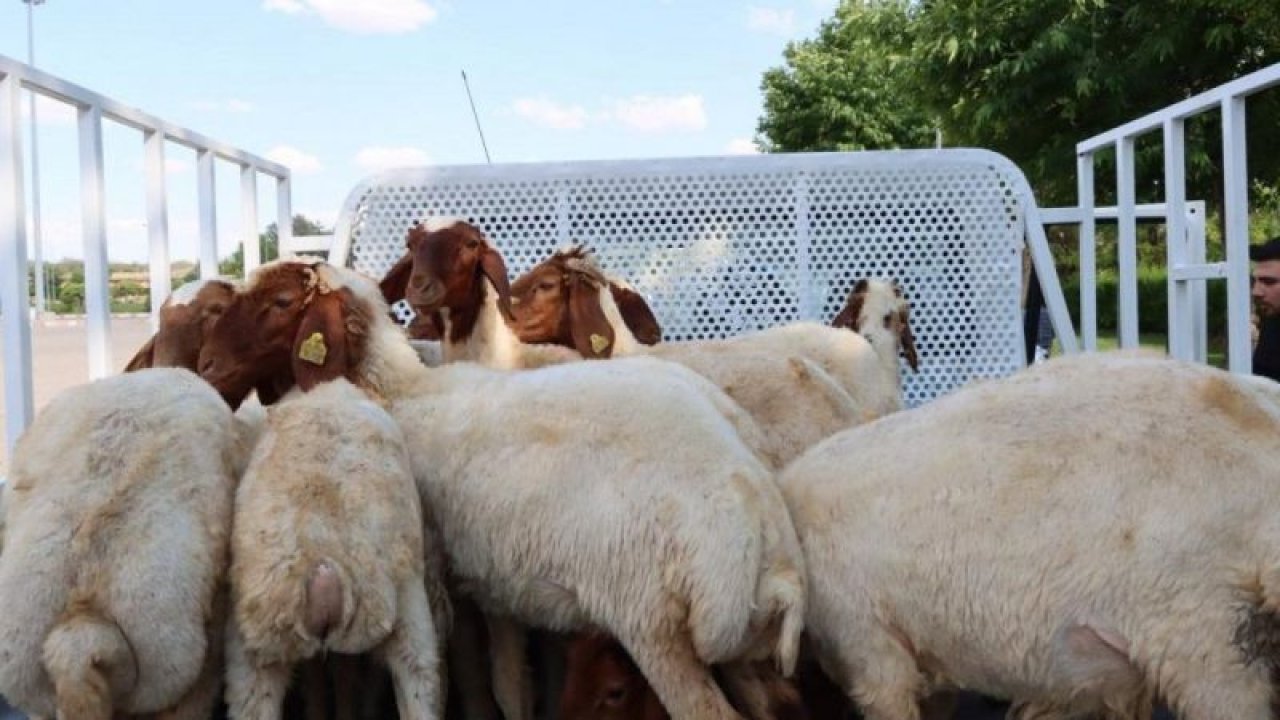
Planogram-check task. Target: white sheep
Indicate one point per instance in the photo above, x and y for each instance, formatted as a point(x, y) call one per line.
point(617, 495)
point(328, 554)
point(1070, 537)
point(863, 362)
point(111, 583)
point(777, 375)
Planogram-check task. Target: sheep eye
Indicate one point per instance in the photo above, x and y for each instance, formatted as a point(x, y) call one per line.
point(472, 244)
point(615, 695)
point(214, 310)
point(282, 302)
point(547, 286)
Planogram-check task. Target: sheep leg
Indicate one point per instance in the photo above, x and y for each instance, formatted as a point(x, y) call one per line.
point(512, 685)
point(467, 668)
point(315, 696)
point(683, 683)
point(743, 684)
point(886, 683)
point(1224, 693)
point(254, 692)
point(411, 653)
point(199, 701)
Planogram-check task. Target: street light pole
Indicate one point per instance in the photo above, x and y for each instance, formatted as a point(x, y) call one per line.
point(37, 240)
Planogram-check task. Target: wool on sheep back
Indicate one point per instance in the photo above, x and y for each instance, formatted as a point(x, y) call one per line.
point(1013, 535)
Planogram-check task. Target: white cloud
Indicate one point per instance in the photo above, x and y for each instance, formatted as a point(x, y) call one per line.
point(364, 17)
point(548, 113)
point(772, 20)
point(661, 114)
point(296, 160)
point(374, 159)
point(741, 146)
point(237, 105)
point(174, 166)
point(289, 7)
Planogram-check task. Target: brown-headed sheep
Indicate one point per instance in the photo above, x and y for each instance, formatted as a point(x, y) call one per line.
point(616, 495)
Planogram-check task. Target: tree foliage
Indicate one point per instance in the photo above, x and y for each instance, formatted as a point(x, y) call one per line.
point(847, 89)
point(1027, 78)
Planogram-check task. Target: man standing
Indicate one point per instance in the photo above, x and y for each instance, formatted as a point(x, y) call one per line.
point(1266, 299)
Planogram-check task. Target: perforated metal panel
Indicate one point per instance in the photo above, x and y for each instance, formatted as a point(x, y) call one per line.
point(722, 246)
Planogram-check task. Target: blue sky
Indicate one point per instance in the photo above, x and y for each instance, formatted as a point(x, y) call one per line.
point(339, 89)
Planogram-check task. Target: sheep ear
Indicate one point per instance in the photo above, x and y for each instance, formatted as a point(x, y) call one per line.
point(320, 347)
point(848, 316)
point(637, 314)
point(144, 358)
point(908, 341)
point(395, 283)
point(592, 334)
point(495, 269)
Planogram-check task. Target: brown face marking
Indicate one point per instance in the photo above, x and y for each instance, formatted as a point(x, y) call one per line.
point(448, 265)
point(184, 328)
point(251, 342)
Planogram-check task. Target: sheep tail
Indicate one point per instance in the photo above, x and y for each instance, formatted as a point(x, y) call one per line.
point(91, 664)
point(788, 596)
point(324, 603)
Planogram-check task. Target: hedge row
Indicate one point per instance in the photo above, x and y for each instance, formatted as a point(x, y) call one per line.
point(1153, 300)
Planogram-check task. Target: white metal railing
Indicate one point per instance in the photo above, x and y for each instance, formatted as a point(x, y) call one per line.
point(92, 108)
point(1187, 291)
point(306, 244)
point(1183, 265)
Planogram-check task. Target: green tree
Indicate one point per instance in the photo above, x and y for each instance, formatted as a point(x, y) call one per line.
point(849, 88)
point(1026, 78)
point(269, 244)
point(1031, 78)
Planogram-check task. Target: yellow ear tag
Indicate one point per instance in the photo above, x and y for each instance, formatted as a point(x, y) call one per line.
point(598, 343)
point(313, 349)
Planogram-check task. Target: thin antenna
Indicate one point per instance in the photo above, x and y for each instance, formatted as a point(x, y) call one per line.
point(480, 130)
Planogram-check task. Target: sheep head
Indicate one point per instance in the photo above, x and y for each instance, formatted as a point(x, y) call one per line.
point(602, 683)
point(293, 323)
point(186, 318)
point(444, 268)
point(558, 301)
point(875, 304)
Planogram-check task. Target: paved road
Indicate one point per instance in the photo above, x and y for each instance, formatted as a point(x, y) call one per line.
point(59, 349)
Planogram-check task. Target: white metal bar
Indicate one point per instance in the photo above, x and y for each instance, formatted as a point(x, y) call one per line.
point(1180, 327)
point(1127, 245)
point(1072, 215)
point(97, 297)
point(249, 218)
point(1241, 87)
point(1199, 271)
point(309, 244)
point(14, 306)
point(809, 304)
point(157, 223)
point(284, 211)
point(72, 94)
point(1236, 214)
point(208, 209)
point(1088, 253)
point(1042, 260)
point(1199, 291)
